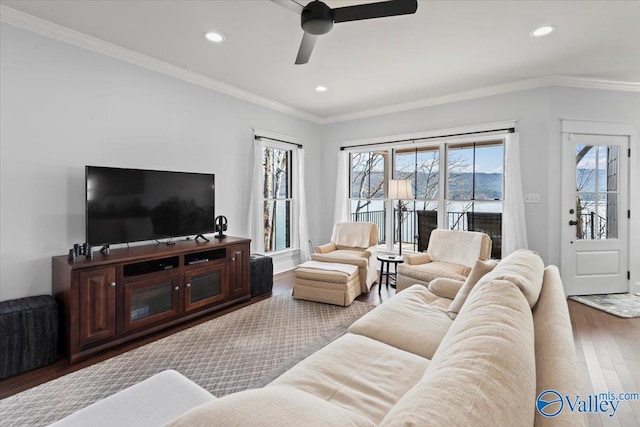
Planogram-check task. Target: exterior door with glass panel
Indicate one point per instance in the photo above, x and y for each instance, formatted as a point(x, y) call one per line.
point(594, 229)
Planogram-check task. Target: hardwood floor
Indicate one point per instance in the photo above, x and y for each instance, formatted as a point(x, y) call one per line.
point(608, 349)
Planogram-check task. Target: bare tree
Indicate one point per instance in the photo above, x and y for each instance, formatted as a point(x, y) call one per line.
point(363, 166)
point(424, 172)
point(583, 178)
point(275, 171)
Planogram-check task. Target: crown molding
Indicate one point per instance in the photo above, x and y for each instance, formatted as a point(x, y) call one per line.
point(76, 38)
point(589, 83)
point(55, 31)
point(499, 89)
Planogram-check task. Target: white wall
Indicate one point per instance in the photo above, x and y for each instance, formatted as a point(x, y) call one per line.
point(63, 107)
point(538, 112)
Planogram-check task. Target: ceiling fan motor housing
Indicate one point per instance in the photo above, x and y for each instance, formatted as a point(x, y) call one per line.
point(317, 18)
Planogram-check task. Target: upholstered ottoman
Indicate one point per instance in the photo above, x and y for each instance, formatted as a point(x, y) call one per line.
point(28, 334)
point(331, 283)
point(261, 274)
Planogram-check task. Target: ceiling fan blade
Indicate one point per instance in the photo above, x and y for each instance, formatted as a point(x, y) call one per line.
point(374, 10)
point(306, 47)
point(292, 5)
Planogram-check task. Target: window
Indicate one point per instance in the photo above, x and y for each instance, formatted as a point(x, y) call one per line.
point(277, 191)
point(366, 189)
point(456, 185)
point(475, 188)
point(421, 166)
point(596, 192)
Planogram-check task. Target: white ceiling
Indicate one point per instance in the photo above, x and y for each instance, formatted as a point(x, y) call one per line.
point(447, 47)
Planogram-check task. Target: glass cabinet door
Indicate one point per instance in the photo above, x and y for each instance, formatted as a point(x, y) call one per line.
point(204, 286)
point(151, 300)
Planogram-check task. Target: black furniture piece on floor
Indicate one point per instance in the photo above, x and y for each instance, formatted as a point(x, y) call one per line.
point(386, 260)
point(261, 274)
point(427, 222)
point(491, 224)
point(28, 334)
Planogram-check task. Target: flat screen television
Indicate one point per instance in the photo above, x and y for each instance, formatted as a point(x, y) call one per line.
point(130, 205)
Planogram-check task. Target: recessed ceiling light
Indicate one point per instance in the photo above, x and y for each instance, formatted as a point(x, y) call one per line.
point(542, 31)
point(321, 88)
point(214, 37)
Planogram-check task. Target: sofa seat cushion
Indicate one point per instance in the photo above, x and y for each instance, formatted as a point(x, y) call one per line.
point(484, 372)
point(272, 406)
point(342, 256)
point(432, 270)
point(523, 268)
point(358, 374)
point(152, 402)
point(415, 320)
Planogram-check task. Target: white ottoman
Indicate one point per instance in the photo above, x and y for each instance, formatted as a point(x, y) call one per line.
point(326, 282)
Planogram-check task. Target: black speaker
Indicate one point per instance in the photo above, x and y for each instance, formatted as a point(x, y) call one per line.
point(221, 226)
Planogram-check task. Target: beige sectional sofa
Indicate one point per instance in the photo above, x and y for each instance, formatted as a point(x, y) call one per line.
point(408, 363)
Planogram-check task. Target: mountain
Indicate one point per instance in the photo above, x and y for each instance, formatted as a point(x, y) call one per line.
point(488, 186)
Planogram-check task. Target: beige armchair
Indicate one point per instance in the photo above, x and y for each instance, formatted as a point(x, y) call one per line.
point(450, 254)
point(353, 243)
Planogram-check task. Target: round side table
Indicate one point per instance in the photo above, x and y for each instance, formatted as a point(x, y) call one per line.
point(387, 260)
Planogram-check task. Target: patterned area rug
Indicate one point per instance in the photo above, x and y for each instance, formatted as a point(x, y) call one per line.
point(621, 305)
point(244, 349)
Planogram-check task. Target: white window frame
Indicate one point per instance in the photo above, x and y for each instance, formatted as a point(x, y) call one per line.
point(420, 140)
point(269, 141)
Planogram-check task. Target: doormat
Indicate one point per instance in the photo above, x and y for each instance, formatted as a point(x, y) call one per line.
point(621, 305)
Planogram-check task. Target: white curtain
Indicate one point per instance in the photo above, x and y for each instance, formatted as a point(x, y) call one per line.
point(256, 206)
point(303, 228)
point(341, 207)
point(514, 229)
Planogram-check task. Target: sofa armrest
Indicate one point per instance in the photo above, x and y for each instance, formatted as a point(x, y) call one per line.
point(371, 252)
point(323, 249)
point(421, 258)
point(445, 287)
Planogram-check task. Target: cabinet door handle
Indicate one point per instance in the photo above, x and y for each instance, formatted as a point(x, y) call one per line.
point(233, 259)
point(112, 284)
point(188, 285)
point(177, 288)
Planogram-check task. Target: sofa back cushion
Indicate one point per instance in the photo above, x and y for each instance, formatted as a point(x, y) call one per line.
point(480, 268)
point(354, 235)
point(458, 247)
point(524, 269)
point(483, 373)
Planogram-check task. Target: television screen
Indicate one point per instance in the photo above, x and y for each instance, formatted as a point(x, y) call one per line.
point(129, 205)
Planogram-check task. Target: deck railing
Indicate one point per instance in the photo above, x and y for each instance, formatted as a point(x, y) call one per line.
point(456, 221)
point(593, 227)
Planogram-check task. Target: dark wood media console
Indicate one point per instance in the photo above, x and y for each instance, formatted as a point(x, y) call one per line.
point(131, 292)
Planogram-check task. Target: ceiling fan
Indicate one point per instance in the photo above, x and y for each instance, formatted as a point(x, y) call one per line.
point(317, 18)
